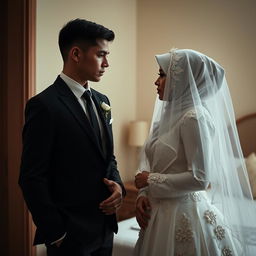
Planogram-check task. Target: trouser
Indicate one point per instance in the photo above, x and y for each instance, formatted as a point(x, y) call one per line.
point(70, 247)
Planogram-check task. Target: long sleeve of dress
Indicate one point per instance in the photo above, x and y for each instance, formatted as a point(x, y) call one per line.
point(143, 192)
point(178, 184)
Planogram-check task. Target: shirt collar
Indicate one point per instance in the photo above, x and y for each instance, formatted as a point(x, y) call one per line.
point(74, 86)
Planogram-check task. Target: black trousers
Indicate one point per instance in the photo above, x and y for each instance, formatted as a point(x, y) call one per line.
point(70, 247)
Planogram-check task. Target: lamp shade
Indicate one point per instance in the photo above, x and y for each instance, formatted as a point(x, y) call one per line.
point(138, 132)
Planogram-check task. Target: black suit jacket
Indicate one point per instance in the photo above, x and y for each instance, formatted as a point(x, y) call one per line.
point(63, 166)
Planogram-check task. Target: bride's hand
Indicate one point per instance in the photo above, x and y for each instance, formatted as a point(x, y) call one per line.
point(141, 179)
point(142, 208)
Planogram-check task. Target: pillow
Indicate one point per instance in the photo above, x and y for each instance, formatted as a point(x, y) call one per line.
point(250, 163)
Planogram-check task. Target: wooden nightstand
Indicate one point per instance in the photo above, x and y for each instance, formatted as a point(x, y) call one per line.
point(127, 209)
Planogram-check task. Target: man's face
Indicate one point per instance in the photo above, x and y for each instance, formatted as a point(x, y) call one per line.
point(93, 62)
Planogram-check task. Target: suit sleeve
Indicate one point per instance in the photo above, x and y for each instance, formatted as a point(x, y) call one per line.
point(38, 136)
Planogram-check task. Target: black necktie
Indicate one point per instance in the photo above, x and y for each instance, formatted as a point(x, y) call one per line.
point(91, 114)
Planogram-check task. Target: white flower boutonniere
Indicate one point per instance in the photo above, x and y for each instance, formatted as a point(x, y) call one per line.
point(106, 108)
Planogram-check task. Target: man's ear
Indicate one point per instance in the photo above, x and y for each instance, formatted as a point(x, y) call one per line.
point(75, 53)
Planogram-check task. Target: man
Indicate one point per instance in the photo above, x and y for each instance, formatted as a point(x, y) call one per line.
point(69, 175)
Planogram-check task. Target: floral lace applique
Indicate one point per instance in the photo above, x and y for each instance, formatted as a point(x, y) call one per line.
point(226, 252)
point(184, 232)
point(219, 232)
point(175, 69)
point(156, 178)
point(210, 217)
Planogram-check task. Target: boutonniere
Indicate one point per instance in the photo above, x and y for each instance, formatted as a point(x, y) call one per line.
point(106, 108)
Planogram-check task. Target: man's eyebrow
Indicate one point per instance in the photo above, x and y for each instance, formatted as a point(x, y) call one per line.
point(103, 51)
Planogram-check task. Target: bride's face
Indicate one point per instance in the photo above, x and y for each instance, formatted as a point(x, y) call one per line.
point(160, 83)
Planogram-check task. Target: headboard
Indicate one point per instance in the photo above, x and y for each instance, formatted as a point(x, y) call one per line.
point(247, 133)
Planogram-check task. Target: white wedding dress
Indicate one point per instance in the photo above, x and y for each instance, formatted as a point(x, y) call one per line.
point(183, 221)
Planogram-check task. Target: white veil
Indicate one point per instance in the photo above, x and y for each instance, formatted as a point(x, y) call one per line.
point(196, 82)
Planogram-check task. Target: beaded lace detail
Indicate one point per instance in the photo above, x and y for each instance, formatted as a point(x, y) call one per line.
point(156, 178)
point(210, 217)
point(175, 69)
point(194, 196)
point(226, 252)
point(218, 230)
point(184, 232)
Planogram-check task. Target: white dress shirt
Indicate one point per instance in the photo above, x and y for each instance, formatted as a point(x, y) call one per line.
point(78, 90)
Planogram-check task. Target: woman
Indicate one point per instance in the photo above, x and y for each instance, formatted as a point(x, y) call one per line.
point(193, 182)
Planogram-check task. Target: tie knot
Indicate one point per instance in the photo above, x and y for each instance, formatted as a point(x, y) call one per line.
point(87, 95)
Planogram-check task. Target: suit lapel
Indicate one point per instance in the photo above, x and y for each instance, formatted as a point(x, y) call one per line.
point(70, 101)
point(97, 101)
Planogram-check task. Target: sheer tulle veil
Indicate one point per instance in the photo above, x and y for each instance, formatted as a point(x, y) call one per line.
point(196, 82)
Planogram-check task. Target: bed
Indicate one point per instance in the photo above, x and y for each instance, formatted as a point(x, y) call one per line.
point(126, 238)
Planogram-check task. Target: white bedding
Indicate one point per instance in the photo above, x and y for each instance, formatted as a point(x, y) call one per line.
point(125, 239)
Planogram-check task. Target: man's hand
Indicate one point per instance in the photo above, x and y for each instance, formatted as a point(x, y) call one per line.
point(142, 208)
point(141, 179)
point(111, 204)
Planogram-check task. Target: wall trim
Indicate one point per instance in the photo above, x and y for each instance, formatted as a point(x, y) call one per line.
point(17, 66)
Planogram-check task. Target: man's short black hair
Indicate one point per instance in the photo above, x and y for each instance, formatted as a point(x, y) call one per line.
point(82, 33)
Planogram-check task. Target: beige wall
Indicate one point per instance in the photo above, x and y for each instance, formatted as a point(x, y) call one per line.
point(222, 29)
point(119, 82)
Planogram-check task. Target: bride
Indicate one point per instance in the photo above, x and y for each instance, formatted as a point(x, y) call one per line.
point(193, 182)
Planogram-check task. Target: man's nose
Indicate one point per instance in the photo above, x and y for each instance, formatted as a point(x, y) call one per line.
point(105, 63)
